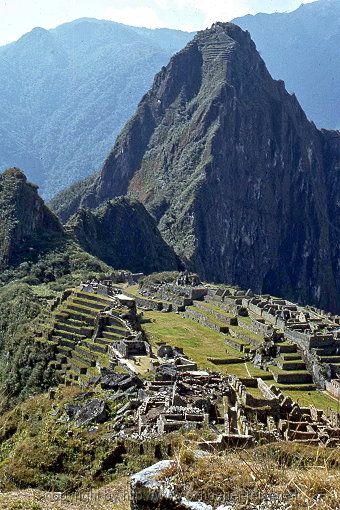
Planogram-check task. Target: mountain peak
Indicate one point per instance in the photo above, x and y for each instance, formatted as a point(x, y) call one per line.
point(225, 160)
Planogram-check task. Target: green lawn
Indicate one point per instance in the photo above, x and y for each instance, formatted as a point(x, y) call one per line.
point(318, 399)
point(197, 341)
point(246, 332)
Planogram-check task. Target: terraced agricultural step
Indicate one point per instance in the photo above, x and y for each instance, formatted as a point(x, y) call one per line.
point(113, 326)
point(82, 309)
point(297, 387)
point(105, 341)
point(237, 344)
point(75, 328)
point(61, 315)
point(99, 298)
point(78, 366)
point(66, 319)
point(81, 317)
point(225, 361)
point(291, 357)
point(286, 348)
point(113, 336)
point(81, 359)
point(55, 365)
point(61, 358)
point(61, 333)
point(95, 347)
point(72, 376)
point(64, 342)
point(292, 365)
point(89, 304)
point(85, 353)
point(330, 359)
point(291, 377)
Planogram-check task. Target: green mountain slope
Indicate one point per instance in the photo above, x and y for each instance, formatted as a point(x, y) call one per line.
point(124, 235)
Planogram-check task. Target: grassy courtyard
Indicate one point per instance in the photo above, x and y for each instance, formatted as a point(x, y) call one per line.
point(198, 342)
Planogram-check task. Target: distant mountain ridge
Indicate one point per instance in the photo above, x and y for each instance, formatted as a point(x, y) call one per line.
point(302, 48)
point(242, 185)
point(66, 93)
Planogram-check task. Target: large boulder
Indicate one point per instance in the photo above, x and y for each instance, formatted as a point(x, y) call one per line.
point(150, 492)
point(93, 412)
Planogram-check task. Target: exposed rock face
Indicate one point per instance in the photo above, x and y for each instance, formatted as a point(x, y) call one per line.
point(27, 225)
point(93, 412)
point(124, 235)
point(242, 185)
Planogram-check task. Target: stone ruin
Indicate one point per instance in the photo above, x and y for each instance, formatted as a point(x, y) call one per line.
point(187, 279)
point(184, 400)
point(176, 295)
point(182, 397)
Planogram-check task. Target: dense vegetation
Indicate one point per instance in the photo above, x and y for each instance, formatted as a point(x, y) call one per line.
point(38, 261)
point(66, 93)
point(26, 318)
point(124, 235)
point(23, 361)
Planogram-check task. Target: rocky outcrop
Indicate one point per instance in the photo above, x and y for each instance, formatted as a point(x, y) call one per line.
point(93, 412)
point(241, 184)
point(149, 492)
point(124, 235)
point(27, 227)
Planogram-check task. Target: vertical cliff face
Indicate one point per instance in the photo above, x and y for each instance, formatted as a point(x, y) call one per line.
point(27, 226)
point(241, 183)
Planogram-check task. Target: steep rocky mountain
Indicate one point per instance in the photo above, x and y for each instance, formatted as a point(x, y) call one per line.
point(242, 185)
point(123, 234)
point(27, 225)
point(302, 48)
point(33, 241)
point(66, 93)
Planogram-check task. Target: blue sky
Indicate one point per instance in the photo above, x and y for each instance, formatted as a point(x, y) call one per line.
point(20, 16)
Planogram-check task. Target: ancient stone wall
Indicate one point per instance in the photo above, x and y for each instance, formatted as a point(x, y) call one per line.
point(198, 317)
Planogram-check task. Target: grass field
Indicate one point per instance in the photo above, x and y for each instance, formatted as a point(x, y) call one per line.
point(197, 341)
point(318, 399)
point(216, 308)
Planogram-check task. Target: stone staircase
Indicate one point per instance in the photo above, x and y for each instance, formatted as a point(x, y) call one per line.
point(291, 370)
